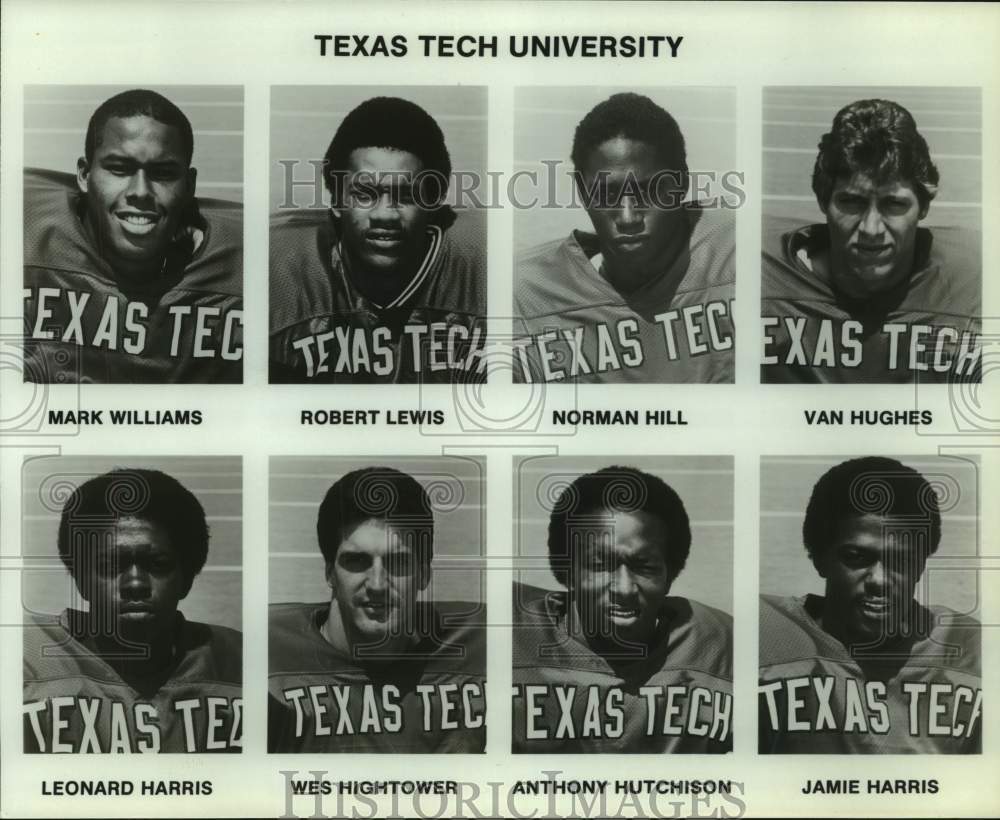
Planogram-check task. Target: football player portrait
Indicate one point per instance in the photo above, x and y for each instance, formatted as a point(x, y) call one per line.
point(865, 667)
point(872, 293)
point(388, 284)
point(613, 662)
point(129, 277)
point(381, 663)
point(127, 672)
point(646, 295)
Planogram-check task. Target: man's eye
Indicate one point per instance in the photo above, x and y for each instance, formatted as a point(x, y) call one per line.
point(401, 564)
point(895, 207)
point(363, 198)
point(851, 204)
point(354, 563)
point(163, 174)
point(119, 170)
point(855, 558)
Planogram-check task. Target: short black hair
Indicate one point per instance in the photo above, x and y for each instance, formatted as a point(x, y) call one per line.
point(135, 103)
point(388, 122)
point(147, 495)
point(634, 117)
point(619, 489)
point(873, 485)
point(374, 493)
point(878, 138)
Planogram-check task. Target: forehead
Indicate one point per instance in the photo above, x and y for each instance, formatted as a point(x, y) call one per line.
point(377, 160)
point(138, 533)
point(376, 537)
point(862, 184)
point(632, 532)
point(875, 532)
point(140, 136)
point(622, 155)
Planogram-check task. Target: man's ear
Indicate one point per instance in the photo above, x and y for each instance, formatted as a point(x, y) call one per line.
point(192, 181)
point(82, 175)
point(924, 209)
point(328, 573)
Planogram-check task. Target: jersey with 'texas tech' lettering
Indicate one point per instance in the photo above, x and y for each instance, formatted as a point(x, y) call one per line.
point(75, 701)
point(677, 699)
point(572, 325)
point(815, 697)
point(324, 329)
point(83, 323)
point(433, 700)
point(926, 329)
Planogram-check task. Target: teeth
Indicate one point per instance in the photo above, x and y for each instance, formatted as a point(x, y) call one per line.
point(136, 219)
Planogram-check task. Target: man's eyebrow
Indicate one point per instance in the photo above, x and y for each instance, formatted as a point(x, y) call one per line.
point(156, 163)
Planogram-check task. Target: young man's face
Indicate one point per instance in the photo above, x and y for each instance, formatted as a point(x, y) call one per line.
point(621, 577)
point(632, 230)
point(375, 578)
point(137, 187)
point(870, 578)
point(134, 581)
point(873, 232)
point(383, 225)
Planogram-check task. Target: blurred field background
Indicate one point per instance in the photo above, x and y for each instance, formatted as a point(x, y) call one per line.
point(785, 486)
point(305, 118)
point(298, 484)
point(546, 117)
point(704, 483)
point(217, 594)
point(56, 117)
point(950, 119)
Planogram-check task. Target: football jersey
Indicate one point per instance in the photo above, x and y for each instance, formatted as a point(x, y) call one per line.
point(927, 329)
point(572, 325)
point(677, 699)
point(323, 329)
point(321, 700)
point(83, 324)
point(815, 698)
point(75, 701)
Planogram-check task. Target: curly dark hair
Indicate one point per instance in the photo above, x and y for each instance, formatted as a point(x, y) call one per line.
point(374, 493)
point(147, 495)
point(873, 485)
point(619, 489)
point(398, 124)
point(878, 138)
point(134, 103)
point(635, 117)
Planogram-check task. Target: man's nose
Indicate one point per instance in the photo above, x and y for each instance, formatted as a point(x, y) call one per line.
point(871, 222)
point(377, 577)
point(139, 185)
point(630, 216)
point(622, 581)
point(133, 581)
point(876, 577)
point(386, 209)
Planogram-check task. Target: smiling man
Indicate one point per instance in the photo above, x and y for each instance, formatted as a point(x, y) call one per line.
point(616, 664)
point(646, 297)
point(389, 285)
point(865, 668)
point(130, 673)
point(379, 667)
point(871, 296)
point(128, 276)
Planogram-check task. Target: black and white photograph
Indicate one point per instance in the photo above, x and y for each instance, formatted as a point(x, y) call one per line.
point(133, 234)
point(377, 639)
point(624, 233)
point(132, 601)
point(623, 639)
point(378, 234)
point(869, 630)
point(872, 234)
